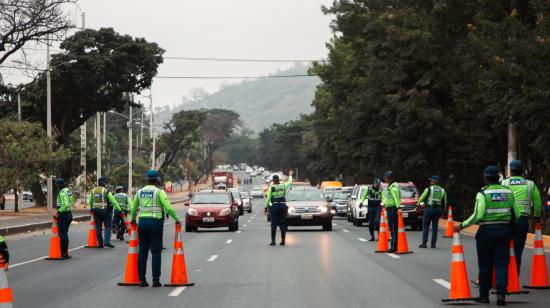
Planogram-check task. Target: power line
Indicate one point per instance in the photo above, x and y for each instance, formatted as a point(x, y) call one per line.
point(235, 77)
point(241, 59)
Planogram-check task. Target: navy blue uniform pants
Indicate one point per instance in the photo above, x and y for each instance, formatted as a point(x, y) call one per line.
point(64, 220)
point(103, 217)
point(392, 223)
point(492, 242)
point(150, 232)
point(278, 212)
point(373, 219)
point(431, 217)
point(118, 222)
point(519, 234)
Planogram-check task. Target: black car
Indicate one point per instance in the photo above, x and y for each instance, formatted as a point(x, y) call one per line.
point(339, 203)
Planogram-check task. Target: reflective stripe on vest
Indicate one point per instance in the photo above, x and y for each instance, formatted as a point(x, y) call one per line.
point(100, 196)
point(519, 186)
point(148, 203)
point(70, 199)
point(373, 194)
point(498, 205)
point(122, 200)
point(435, 197)
point(278, 193)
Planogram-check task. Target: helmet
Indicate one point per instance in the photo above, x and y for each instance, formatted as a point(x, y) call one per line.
point(516, 165)
point(59, 181)
point(490, 171)
point(152, 174)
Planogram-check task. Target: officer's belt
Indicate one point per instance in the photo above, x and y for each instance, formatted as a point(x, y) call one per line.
point(498, 222)
point(100, 206)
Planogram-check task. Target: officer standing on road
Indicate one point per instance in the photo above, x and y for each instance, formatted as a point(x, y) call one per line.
point(391, 198)
point(118, 221)
point(4, 253)
point(102, 202)
point(373, 196)
point(275, 202)
point(527, 197)
point(436, 200)
point(65, 205)
point(494, 211)
point(152, 202)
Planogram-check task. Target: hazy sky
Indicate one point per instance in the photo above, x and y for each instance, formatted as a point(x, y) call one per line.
point(260, 29)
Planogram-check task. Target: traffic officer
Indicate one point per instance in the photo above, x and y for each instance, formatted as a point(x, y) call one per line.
point(435, 198)
point(373, 196)
point(102, 202)
point(151, 202)
point(118, 221)
point(391, 198)
point(275, 202)
point(64, 214)
point(4, 253)
point(494, 211)
point(527, 198)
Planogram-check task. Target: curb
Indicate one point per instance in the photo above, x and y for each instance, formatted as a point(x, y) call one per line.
point(36, 226)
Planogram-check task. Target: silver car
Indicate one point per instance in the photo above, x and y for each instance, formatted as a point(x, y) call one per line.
point(307, 207)
point(247, 205)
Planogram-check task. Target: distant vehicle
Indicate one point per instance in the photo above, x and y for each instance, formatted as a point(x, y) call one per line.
point(257, 192)
point(329, 191)
point(325, 184)
point(339, 203)
point(27, 196)
point(254, 173)
point(223, 178)
point(355, 214)
point(235, 168)
point(347, 190)
point(261, 169)
point(238, 199)
point(243, 166)
point(412, 216)
point(212, 209)
point(247, 205)
point(308, 207)
point(248, 170)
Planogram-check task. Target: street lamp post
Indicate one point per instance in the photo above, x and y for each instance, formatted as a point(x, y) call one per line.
point(130, 154)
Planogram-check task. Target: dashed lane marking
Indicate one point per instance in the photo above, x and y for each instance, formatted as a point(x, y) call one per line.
point(228, 241)
point(362, 239)
point(177, 291)
point(345, 230)
point(392, 255)
point(443, 282)
point(239, 231)
point(212, 258)
point(249, 221)
point(334, 224)
point(244, 225)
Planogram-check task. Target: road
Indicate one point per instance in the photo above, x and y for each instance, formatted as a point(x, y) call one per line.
point(239, 269)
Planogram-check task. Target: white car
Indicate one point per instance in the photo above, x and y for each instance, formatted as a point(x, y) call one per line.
point(254, 173)
point(247, 205)
point(355, 214)
point(257, 192)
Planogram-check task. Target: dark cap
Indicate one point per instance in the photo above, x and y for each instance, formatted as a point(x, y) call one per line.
point(434, 178)
point(516, 165)
point(388, 174)
point(490, 171)
point(275, 177)
point(59, 181)
point(152, 174)
point(102, 179)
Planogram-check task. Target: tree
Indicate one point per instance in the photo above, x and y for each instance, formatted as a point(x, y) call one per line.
point(22, 21)
point(25, 154)
point(216, 128)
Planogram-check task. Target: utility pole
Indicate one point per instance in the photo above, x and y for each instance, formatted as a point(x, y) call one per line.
point(152, 130)
point(130, 154)
point(19, 107)
point(104, 131)
point(98, 144)
point(19, 191)
point(512, 128)
point(141, 125)
point(83, 143)
point(49, 121)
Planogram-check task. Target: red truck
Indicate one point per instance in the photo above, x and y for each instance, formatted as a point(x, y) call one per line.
point(222, 178)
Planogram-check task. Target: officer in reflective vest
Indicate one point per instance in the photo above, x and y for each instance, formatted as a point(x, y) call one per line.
point(494, 211)
point(373, 195)
point(118, 221)
point(275, 202)
point(4, 253)
point(435, 198)
point(65, 205)
point(528, 199)
point(102, 202)
point(391, 198)
point(151, 202)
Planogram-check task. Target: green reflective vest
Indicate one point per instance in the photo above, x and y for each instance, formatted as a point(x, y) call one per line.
point(1, 239)
point(278, 193)
point(392, 196)
point(149, 205)
point(99, 195)
point(65, 200)
point(499, 203)
point(526, 195)
point(122, 200)
point(434, 196)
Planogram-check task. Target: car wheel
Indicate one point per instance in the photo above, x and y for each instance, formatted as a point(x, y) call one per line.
point(237, 225)
point(354, 221)
point(359, 223)
point(231, 227)
point(250, 211)
point(327, 226)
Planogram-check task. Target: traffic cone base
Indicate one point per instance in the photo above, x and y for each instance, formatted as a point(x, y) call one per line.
point(180, 284)
point(402, 244)
point(60, 258)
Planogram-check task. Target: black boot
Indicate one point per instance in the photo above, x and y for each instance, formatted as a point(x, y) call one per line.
point(482, 300)
point(423, 245)
point(273, 233)
point(283, 236)
point(501, 300)
point(64, 246)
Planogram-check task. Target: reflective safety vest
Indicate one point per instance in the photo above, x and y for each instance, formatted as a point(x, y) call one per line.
point(100, 197)
point(436, 195)
point(498, 205)
point(149, 206)
point(1, 239)
point(374, 196)
point(70, 199)
point(122, 200)
point(388, 199)
point(278, 193)
point(523, 193)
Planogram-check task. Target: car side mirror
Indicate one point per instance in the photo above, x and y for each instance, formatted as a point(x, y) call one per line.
point(353, 197)
point(190, 195)
point(187, 203)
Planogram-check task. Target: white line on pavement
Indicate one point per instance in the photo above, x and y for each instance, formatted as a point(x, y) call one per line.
point(249, 221)
point(177, 291)
point(212, 258)
point(334, 224)
point(393, 255)
point(42, 258)
point(443, 282)
point(345, 230)
point(228, 241)
point(244, 225)
point(239, 231)
point(362, 239)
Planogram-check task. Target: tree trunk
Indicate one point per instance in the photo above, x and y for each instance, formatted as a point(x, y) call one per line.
point(17, 196)
point(38, 195)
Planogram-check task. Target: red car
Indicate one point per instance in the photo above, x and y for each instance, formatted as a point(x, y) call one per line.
point(212, 209)
point(412, 215)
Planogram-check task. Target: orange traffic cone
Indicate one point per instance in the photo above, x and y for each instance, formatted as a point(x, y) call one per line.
point(402, 244)
point(126, 222)
point(92, 236)
point(513, 276)
point(6, 294)
point(131, 277)
point(55, 243)
point(449, 229)
point(179, 269)
point(539, 272)
point(460, 289)
point(383, 233)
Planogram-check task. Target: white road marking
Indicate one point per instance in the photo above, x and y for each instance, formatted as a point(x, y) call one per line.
point(443, 282)
point(362, 239)
point(212, 258)
point(228, 241)
point(239, 231)
point(394, 256)
point(177, 291)
point(41, 258)
point(244, 225)
point(334, 224)
point(345, 230)
point(249, 221)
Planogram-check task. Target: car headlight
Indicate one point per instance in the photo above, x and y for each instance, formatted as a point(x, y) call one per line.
point(323, 209)
point(225, 212)
point(291, 210)
point(238, 202)
point(192, 212)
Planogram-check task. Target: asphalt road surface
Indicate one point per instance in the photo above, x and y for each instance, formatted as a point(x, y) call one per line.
point(238, 269)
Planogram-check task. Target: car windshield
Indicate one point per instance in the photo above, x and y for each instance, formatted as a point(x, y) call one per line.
point(257, 188)
point(408, 191)
point(236, 194)
point(244, 195)
point(305, 195)
point(340, 195)
point(210, 198)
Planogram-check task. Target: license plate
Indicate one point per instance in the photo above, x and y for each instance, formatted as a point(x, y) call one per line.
point(208, 219)
point(306, 216)
point(405, 215)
